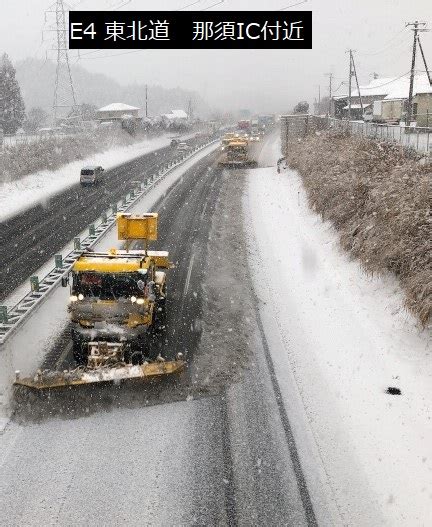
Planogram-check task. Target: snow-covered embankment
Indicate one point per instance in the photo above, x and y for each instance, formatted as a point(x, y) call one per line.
point(339, 339)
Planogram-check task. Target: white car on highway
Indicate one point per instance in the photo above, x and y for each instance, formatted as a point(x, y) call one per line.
point(91, 175)
point(183, 147)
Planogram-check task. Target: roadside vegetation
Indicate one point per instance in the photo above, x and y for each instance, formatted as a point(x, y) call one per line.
point(378, 197)
point(22, 159)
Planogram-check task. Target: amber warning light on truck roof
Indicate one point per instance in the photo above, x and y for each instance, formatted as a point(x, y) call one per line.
point(190, 30)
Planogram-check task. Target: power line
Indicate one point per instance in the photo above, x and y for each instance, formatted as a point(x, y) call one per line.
point(189, 5)
point(385, 83)
point(293, 5)
point(389, 49)
point(385, 46)
point(117, 55)
point(213, 5)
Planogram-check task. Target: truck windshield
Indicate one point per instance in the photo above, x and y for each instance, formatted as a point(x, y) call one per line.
point(108, 286)
point(87, 172)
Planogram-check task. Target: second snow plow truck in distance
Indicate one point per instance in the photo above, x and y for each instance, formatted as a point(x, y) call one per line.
point(237, 153)
point(116, 300)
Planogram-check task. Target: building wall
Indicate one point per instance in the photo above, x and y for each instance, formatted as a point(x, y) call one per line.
point(116, 114)
point(424, 105)
point(392, 110)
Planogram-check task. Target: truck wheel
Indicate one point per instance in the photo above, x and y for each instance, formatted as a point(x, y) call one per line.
point(79, 354)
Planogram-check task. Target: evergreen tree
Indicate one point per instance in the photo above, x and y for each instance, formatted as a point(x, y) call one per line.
point(12, 111)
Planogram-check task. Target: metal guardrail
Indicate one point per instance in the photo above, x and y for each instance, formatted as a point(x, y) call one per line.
point(11, 319)
point(418, 138)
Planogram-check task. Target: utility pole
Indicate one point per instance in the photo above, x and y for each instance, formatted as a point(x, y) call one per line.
point(317, 102)
point(357, 82)
point(190, 110)
point(146, 100)
point(330, 75)
point(415, 28)
point(350, 85)
point(64, 92)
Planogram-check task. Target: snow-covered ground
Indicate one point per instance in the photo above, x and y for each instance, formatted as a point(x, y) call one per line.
point(19, 195)
point(339, 339)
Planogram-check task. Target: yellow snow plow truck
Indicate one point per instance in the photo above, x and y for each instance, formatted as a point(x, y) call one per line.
point(116, 300)
point(237, 153)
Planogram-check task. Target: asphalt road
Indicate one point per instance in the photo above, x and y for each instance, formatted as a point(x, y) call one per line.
point(187, 451)
point(32, 237)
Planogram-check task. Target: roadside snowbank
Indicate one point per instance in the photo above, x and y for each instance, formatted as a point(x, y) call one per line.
point(378, 198)
point(338, 339)
point(19, 195)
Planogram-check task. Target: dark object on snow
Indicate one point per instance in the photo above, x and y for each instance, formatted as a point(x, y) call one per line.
point(391, 390)
point(279, 163)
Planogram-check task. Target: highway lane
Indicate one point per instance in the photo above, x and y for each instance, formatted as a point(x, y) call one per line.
point(31, 237)
point(185, 216)
point(206, 449)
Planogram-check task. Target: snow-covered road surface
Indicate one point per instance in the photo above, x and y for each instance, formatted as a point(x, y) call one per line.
point(134, 466)
point(339, 339)
point(190, 452)
point(50, 319)
point(19, 195)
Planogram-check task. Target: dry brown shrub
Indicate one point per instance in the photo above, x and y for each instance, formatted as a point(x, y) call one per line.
point(378, 197)
point(50, 153)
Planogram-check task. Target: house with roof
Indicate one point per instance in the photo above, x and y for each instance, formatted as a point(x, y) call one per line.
point(376, 90)
point(175, 117)
point(117, 111)
point(385, 100)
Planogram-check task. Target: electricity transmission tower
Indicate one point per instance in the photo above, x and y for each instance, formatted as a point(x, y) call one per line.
point(64, 92)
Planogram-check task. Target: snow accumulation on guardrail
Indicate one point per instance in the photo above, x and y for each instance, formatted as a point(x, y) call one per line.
point(38, 319)
point(18, 195)
point(10, 319)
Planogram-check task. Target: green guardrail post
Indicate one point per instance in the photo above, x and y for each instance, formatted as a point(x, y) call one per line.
point(114, 208)
point(34, 284)
point(3, 315)
point(124, 200)
point(58, 261)
point(104, 217)
point(92, 229)
point(132, 194)
point(77, 244)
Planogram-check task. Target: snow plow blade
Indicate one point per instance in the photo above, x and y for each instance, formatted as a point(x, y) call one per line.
point(238, 164)
point(44, 380)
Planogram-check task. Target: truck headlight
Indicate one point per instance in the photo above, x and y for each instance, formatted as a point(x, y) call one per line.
point(140, 301)
point(133, 299)
point(80, 296)
point(73, 298)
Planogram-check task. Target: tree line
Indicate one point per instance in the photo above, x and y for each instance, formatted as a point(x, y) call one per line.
point(13, 116)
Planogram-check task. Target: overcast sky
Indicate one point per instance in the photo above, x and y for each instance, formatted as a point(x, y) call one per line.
point(263, 79)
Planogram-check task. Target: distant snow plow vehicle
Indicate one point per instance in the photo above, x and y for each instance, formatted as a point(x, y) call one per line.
point(237, 153)
point(117, 298)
